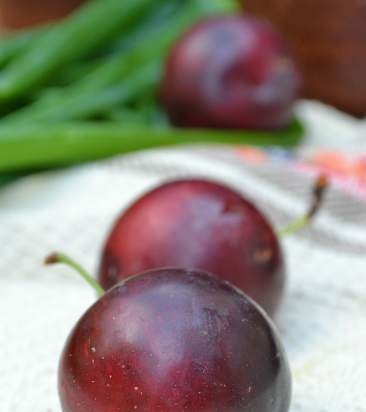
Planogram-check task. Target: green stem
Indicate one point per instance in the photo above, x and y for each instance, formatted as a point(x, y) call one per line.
point(318, 193)
point(62, 258)
point(295, 226)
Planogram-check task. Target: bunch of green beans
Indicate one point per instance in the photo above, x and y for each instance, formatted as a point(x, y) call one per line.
point(89, 28)
point(85, 88)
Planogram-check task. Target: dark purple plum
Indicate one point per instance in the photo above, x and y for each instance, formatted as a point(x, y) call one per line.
point(174, 340)
point(198, 224)
point(231, 72)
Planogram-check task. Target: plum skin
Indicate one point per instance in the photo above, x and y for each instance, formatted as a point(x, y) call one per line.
point(231, 72)
point(198, 224)
point(174, 340)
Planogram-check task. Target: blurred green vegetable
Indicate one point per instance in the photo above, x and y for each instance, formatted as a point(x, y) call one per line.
point(34, 146)
point(89, 28)
point(136, 36)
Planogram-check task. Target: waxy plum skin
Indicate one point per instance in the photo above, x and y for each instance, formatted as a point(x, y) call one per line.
point(231, 72)
point(198, 224)
point(174, 340)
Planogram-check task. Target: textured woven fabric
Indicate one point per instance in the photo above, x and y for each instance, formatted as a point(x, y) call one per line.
point(323, 319)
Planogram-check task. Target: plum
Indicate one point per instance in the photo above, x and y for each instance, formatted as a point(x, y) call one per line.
point(195, 223)
point(174, 340)
point(231, 72)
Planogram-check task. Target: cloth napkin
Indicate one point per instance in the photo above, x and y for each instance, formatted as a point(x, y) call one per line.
point(323, 319)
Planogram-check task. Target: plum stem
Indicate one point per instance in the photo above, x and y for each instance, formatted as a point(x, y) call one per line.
point(318, 194)
point(55, 258)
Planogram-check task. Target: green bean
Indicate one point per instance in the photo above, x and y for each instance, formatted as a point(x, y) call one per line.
point(39, 146)
point(87, 29)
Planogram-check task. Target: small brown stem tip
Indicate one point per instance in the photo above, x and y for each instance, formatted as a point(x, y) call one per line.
point(319, 190)
point(52, 259)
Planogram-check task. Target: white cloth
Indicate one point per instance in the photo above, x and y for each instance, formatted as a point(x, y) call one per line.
point(323, 320)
